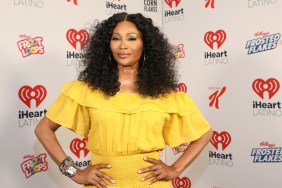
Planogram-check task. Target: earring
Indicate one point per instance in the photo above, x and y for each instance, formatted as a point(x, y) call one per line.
point(110, 58)
point(144, 58)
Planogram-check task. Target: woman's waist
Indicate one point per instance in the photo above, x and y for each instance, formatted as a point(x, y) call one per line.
point(124, 167)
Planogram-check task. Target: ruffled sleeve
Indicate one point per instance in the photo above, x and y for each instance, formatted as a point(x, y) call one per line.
point(68, 112)
point(185, 124)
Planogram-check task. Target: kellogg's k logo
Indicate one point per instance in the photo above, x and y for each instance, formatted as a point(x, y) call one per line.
point(218, 37)
point(26, 94)
point(169, 2)
point(81, 36)
point(214, 98)
point(78, 145)
point(181, 182)
point(222, 138)
point(271, 86)
point(209, 2)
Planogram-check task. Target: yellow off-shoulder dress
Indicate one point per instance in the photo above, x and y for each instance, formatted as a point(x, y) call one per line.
point(125, 128)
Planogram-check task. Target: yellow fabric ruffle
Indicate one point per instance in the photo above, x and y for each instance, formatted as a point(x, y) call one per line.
point(129, 103)
point(126, 123)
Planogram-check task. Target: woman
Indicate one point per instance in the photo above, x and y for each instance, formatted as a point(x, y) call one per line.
point(126, 104)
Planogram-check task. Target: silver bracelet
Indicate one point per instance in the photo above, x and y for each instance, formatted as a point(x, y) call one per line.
point(68, 167)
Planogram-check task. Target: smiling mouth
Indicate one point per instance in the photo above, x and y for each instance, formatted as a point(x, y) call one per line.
point(123, 56)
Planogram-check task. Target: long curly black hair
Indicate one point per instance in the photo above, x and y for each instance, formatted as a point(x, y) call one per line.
point(156, 72)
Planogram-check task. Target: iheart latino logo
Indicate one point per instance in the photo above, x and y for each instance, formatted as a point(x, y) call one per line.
point(271, 86)
point(170, 2)
point(181, 182)
point(222, 138)
point(78, 145)
point(218, 37)
point(26, 94)
point(74, 37)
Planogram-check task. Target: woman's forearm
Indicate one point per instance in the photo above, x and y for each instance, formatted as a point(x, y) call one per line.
point(45, 132)
point(190, 154)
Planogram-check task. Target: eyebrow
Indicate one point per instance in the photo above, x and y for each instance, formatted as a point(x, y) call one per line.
point(127, 33)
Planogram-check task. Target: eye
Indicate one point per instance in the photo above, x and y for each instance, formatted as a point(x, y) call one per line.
point(131, 39)
point(115, 38)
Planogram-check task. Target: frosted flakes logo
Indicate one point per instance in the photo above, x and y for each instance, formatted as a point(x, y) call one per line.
point(178, 51)
point(264, 43)
point(174, 14)
point(215, 40)
point(181, 182)
point(78, 146)
point(34, 164)
point(266, 108)
point(262, 3)
point(74, 1)
point(181, 87)
point(30, 45)
point(28, 94)
point(214, 97)
point(268, 153)
point(209, 3)
point(180, 148)
point(222, 139)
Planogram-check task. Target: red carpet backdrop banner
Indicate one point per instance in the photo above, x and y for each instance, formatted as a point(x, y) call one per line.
point(228, 57)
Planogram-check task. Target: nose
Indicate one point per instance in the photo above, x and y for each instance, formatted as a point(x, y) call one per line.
point(123, 44)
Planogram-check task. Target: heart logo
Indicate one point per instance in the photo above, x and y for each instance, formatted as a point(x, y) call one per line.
point(74, 1)
point(222, 138)
point(169, 2)
point(219, 37)
point(26, 94)
point(181, 182)
point(182, 87)
point(81, 36)
point(271, 86)
point(78, 145)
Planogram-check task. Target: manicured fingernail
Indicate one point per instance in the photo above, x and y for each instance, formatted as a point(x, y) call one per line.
point(142, 179)
point(139, 171)
point(108, 187)
point(113, 181)
point(109, 166)
point(145, 158)
point(149, 183)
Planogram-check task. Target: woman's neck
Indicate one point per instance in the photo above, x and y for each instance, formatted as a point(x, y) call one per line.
point(127, 78)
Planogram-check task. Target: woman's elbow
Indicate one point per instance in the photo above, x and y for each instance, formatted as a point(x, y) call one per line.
point(45, 126)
